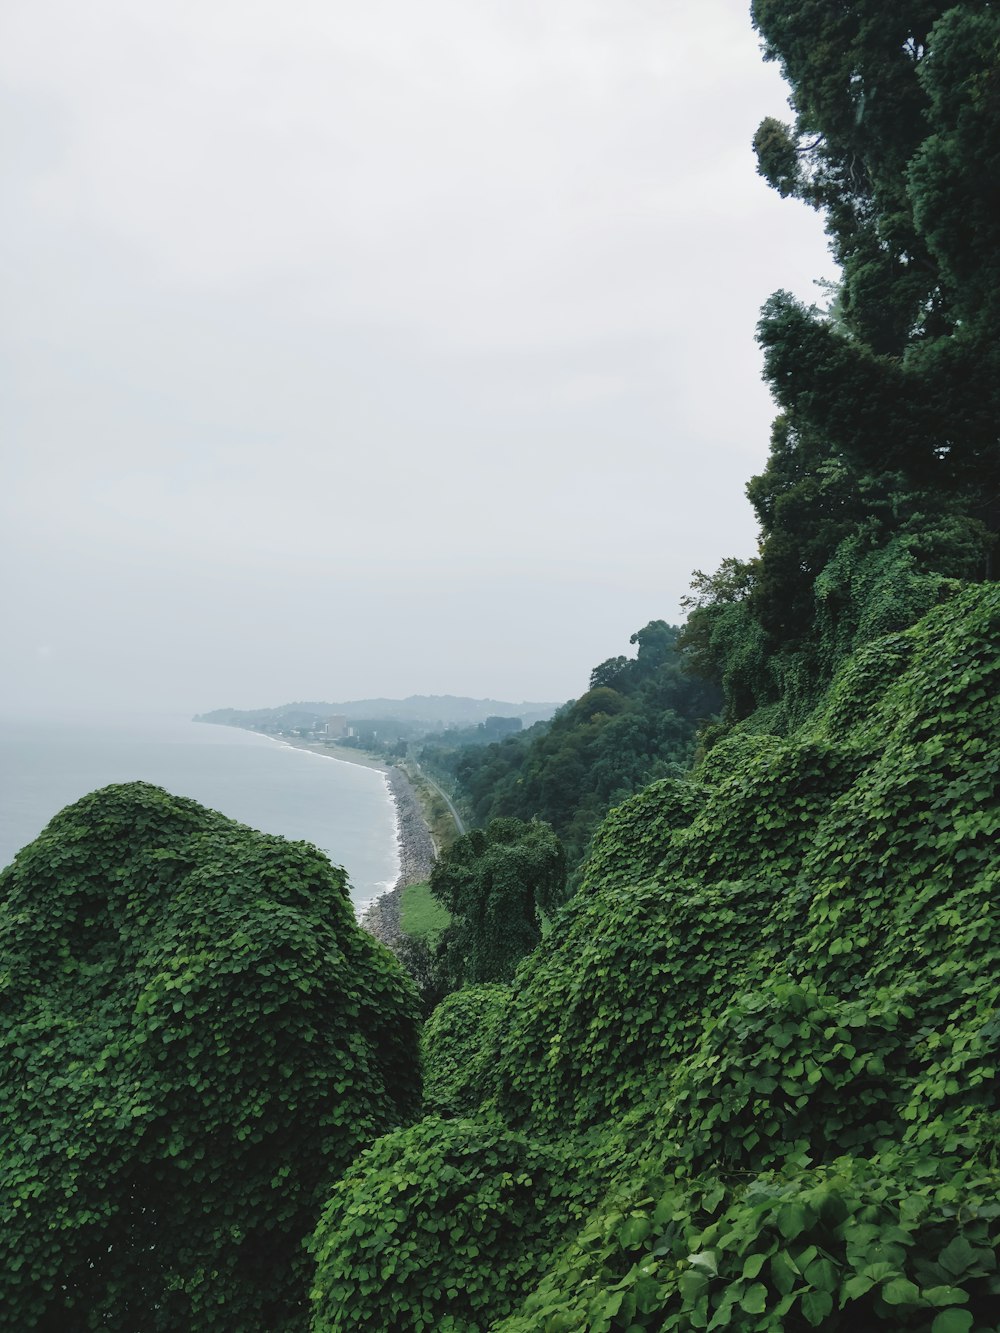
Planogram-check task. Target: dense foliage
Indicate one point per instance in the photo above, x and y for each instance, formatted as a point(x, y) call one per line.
point(883, 480)
point(459, 1045)
point(195, 1041)
point(637, 722)
point(765, 1034)
point(498, 884)
point(437, 1229)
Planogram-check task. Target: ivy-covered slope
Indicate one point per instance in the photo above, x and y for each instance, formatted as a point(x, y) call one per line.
point(195, 1040)
point(763, 1038)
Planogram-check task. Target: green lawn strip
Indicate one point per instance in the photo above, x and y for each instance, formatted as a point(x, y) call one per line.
point(421, 915)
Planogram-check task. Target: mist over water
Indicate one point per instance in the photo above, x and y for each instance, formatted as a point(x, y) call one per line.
point(344, 809)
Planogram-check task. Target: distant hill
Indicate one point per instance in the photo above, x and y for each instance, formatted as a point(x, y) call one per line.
point(428, 712)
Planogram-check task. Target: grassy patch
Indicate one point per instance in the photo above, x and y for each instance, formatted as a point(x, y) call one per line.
point(421, 915)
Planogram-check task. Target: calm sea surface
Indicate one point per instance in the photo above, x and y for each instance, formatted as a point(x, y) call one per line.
point(343, 809)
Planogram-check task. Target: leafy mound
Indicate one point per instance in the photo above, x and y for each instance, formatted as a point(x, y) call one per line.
point(435, 1228)
point(459, 1049)
point(196, 1040)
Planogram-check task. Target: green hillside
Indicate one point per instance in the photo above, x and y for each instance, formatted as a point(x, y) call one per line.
point(638, 721)
point(761, 1044)
point(747, 1080)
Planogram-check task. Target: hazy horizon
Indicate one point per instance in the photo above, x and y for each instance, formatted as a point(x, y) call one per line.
point(372, 353)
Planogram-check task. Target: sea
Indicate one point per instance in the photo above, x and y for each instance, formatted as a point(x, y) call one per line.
point(344, 809)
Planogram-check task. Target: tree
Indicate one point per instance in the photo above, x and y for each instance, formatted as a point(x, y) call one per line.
point(195, 1041)
point(497, 883)
point(895, 139)
point(883, 482)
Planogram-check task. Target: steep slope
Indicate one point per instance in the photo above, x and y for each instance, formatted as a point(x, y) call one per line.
point(764, 1036)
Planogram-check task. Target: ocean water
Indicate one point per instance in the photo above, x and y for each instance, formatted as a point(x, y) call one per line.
point(343, 809)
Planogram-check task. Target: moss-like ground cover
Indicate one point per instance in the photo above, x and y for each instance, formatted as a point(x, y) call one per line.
point(421, 915)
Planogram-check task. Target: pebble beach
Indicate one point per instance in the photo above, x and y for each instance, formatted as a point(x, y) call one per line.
point(416, 859)
point(415, 845)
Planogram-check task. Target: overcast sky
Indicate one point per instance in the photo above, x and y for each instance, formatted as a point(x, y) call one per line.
point(374, 349)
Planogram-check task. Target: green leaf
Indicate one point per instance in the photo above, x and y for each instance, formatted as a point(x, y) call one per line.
point(816, 1305)
point(753, 1265)
point(945, 1295)
point(706, 1260)
point(634, 1232)
point(784, 1273)
point(878, 1272)
point(692, 1284)
point(754, 1300)
point(957, 1257)
point(901, 1291)
point(952, 1321)
point(857, 1286)
point(791, 1220)
point(823, 1275)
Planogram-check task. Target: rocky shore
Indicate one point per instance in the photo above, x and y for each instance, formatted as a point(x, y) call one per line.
point(416, 858)
point(416, 846)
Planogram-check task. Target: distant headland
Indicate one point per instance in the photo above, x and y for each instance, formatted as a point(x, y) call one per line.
point(388, 726)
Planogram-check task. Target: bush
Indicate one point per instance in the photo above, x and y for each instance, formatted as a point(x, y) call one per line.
point(459, 1046)
point(438, 1228)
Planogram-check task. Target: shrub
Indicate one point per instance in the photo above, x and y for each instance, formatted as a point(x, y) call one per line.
point(438, 1228)
point(459, 1048)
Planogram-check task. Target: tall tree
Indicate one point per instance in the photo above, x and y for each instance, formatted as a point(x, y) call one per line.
point(896, 138)
point(883, 478)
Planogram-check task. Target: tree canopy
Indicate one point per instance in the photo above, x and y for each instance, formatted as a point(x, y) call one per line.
point(882, 488)
point(896, 138)
point(497, 883)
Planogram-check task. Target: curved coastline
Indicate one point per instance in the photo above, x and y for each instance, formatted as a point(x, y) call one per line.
point(414, 844)
point(416, 860)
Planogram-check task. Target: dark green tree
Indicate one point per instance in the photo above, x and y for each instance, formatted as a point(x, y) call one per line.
point(195, 1041)
point(497, 883)
point(895, 139)
point(882, 484)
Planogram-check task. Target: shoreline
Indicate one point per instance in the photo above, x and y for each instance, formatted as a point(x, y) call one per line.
point(381, 918)
point(414, 844)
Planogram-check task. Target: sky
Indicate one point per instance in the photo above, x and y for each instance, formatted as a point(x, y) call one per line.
point(374, 350)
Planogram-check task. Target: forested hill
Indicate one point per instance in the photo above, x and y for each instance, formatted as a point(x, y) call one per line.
point(637, 721)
